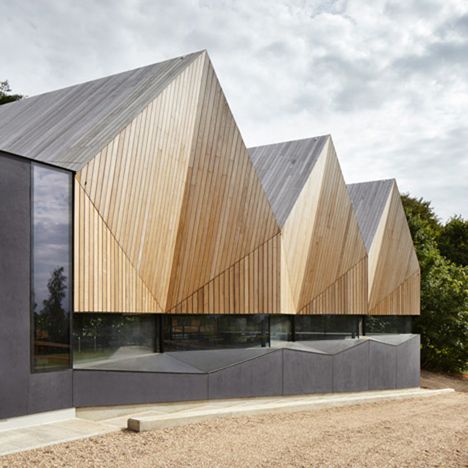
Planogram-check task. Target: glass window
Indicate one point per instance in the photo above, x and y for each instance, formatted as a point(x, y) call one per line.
point(390, 324)
point(185, 332)
point(51, 281)
point(281, 328)
point(319, 327)
point(110, 337)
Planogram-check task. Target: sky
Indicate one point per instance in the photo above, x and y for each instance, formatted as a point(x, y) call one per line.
point(387, 79)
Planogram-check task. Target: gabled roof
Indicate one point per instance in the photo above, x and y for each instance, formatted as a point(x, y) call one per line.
point(68, 127)
point(369, 200)
point(283, 169)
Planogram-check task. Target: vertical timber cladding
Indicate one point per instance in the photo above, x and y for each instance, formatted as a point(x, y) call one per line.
point(135, 184)
point(395, 281)
point(325, 258)
point(170, 214)
point(226, 256)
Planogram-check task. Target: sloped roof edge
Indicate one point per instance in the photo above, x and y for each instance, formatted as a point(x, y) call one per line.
point(283, 169)
point(69, 126)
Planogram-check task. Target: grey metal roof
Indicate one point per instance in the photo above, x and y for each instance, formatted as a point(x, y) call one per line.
point(283, 169)
point(68, 127)
point(369, 199)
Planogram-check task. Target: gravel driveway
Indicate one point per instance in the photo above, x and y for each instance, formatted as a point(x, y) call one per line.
point(423, 432)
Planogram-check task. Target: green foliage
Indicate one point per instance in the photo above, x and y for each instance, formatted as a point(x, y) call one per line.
point(443, 323)
point(53, 316)
point(453, 240)
point(5, 96)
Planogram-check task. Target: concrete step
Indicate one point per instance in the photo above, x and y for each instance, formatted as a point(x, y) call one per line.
point(157, 419)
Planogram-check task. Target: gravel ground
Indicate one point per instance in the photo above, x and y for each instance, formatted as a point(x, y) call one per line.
point(431, 431)
point(436, 380)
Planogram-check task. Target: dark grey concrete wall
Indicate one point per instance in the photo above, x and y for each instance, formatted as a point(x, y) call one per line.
point(368, 365)
point(99, 387)
point(261, 376)
point(20, 391)
point(305, 372)
point(408, 363)
point(351, 369)
point(14, 285)
point(382, 366)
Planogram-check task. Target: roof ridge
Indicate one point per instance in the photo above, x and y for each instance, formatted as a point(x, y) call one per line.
point(290, 141)
point(103, 78)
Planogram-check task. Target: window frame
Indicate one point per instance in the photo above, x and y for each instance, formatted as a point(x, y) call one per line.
point(71, 237)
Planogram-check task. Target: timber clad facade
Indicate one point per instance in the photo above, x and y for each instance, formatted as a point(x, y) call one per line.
point(185, 240)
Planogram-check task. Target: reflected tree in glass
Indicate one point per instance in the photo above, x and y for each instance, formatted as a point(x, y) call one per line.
point(51, 266)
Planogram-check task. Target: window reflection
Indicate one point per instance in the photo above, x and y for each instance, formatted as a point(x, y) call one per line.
point(281, 328)
point(325, 327)
point(387, 324)
point(191, 332)
point(51, 266)
point(110, 337)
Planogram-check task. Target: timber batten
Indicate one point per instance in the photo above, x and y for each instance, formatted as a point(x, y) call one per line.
point(173, 214)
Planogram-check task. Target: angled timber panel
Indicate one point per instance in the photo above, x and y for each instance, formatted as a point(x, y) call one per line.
point(296, 235)
point(323, 247)
point(137, 181)
point(394, 261)
point(336, 244)
point(346, 295)
point(225, 214)
point(105, 279)
point(251, 285)
point(403, 300)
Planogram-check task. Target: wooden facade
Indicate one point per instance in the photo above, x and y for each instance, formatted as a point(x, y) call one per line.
point(394, 276)
point(173, 214)
point(324, 265)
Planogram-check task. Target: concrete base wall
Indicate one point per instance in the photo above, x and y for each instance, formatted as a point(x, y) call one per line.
point(367, 365)
point(21, 392)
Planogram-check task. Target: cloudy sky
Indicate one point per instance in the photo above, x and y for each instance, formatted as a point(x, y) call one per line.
point(387, 79)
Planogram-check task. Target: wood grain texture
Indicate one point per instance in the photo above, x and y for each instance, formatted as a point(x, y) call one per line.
point(336, 244)
point(179, 193)
point(297, 234)
point(68, 127)
point(346, 295)
point(251, 285)
point(403, 300)
point(137, 181)
point(323, 245)
point(225, 213)
point(393, 261)
point(105, 279)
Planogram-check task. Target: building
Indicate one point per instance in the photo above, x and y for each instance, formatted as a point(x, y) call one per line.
point(147, 255)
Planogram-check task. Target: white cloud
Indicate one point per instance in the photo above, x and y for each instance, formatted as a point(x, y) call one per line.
point(388, 79)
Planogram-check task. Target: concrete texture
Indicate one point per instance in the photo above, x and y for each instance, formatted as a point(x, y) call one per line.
point(152, 363)
point(95, 421)
point(43, 435)
point(382, 365)
point(15, 237)
point(215, 359)
point(50, 391)
point(408, 363)
point(338, 366)
point(21, 392)
point(261, 376)
point(91, 388)
point(351, 369)
point(157, 419)
point(306, 372)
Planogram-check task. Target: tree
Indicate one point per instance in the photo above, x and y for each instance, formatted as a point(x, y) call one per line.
point(5, 96)
point(443, 323)
point(453, 240)
point(53, 316)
